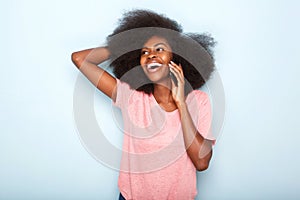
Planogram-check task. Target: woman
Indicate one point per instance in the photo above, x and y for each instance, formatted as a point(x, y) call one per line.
point(167, 133)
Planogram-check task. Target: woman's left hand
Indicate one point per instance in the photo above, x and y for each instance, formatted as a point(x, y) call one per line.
point(177, 91)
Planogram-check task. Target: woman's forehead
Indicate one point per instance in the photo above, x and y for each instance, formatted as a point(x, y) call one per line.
point(156, 40)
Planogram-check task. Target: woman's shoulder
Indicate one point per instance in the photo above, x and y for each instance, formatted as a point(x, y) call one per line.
point(198, 95)
point(129, 95)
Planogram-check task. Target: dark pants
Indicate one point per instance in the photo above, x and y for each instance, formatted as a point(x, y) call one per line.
point(121, 197)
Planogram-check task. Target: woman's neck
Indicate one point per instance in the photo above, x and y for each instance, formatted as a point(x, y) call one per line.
point(162, 93)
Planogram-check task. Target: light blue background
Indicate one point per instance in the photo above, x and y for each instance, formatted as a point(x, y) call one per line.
point(256, 157)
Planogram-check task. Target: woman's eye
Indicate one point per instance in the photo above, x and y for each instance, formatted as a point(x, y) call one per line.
point(160, 49)
point(144, 52)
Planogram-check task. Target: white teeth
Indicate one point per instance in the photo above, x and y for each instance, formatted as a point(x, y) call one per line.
point(153, 65)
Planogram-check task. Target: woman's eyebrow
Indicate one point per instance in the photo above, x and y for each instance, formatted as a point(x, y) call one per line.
point(161, 43)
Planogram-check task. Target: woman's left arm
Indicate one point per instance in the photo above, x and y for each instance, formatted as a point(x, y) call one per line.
point(198, 148)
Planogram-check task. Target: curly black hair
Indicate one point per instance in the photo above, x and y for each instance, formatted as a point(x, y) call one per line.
point(192, 50)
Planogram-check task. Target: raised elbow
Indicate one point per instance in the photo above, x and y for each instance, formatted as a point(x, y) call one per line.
point(76, 59)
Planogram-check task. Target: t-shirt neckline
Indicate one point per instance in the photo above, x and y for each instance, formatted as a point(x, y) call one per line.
point(167, 112)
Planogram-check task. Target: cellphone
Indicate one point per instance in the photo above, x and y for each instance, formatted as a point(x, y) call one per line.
point(174, 79)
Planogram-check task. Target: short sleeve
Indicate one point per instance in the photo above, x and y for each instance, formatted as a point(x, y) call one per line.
point(205, 117)
point(123, 93)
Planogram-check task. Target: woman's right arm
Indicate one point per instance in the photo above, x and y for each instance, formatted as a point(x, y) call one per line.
point(87, 62)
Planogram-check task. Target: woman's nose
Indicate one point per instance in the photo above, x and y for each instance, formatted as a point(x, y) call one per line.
point(151, 56)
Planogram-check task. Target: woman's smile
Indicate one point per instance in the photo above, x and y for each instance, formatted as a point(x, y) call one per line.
point(153, 67)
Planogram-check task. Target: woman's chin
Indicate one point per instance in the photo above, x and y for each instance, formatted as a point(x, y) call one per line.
point(160, 81)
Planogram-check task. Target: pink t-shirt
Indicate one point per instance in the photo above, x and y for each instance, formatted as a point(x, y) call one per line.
point(154, 162)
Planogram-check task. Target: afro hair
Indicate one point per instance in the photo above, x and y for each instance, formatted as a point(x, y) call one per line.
point(192, 50)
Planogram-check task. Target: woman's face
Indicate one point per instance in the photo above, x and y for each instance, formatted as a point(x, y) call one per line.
point(156, 54)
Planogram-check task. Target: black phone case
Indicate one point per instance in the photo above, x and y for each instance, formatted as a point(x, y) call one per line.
point(174, 79)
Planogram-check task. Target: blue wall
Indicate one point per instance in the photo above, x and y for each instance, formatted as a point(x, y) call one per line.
point(42, 156)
